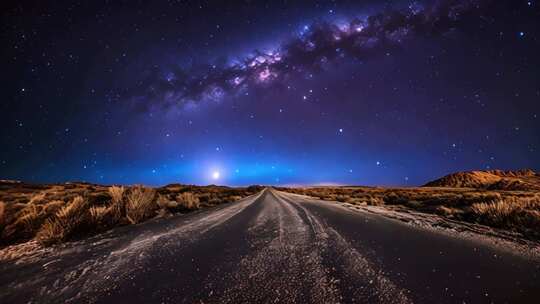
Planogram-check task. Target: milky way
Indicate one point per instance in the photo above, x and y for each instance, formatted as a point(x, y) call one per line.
point(316, 47)
point(368, 92)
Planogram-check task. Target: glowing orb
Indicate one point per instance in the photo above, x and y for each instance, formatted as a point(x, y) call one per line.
point(215, 175)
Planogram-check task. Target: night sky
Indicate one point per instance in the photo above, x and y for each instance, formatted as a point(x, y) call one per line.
point(268, 92)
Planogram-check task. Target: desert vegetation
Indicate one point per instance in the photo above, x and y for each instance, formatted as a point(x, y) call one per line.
point(53, 214)
point(517, 211)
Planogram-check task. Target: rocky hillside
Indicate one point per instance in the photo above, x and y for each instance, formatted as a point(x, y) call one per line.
point(523, 180)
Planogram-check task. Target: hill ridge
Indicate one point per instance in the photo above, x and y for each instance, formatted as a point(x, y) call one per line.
point(522, 180)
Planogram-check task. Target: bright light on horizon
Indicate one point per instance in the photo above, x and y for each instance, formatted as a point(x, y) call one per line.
point(215, 175)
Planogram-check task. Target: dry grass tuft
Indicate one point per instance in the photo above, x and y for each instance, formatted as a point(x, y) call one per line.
point(98, 214)
point(117, 194)
point(517, 211)
point(30, 216)
point(52, 207)
point(51, 232)
point(509, 212)
point(116, 209)
point(72, 209)
point(493, 210)
point(37, 198)
point(2, 213)
point(69, 220)
point(57, 213)
point(188, 200)
point(140, 204)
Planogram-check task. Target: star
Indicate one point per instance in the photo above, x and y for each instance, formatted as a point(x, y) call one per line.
point(222, 84)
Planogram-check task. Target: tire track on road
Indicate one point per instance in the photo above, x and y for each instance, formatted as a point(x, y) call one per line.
point(358, 278)
point(287, 268)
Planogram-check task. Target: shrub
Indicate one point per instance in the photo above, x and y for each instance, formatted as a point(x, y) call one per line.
point(375, 201)
point(188, 200)
point(414, 204)
point(235, 198)
point(140, 204)
point(393, 198)
point(164, 203)
point(204, 197)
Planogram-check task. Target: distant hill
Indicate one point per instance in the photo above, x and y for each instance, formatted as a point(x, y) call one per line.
point(524, 180)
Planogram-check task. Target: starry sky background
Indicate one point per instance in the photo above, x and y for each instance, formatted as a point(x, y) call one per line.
point(268, 92)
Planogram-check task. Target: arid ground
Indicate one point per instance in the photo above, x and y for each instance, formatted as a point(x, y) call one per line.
point(56, 213)
point(507, 201)
point(476, 242)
